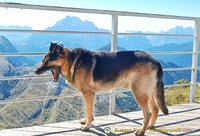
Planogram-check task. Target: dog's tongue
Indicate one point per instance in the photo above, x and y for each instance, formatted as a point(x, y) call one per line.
point(54, 74)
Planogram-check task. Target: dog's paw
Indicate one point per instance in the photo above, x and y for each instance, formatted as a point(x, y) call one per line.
point(141, 133)
point(83, 121)
point(84, 128)
point(151, 127)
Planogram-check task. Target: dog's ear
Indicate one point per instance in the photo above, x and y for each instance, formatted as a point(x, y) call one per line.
point(61, 45)
point(52, 46)
point(59, 49)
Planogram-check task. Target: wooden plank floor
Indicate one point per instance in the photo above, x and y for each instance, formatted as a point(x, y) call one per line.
point(184, 118)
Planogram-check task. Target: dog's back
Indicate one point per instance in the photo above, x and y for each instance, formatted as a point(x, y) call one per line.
point(109, 66)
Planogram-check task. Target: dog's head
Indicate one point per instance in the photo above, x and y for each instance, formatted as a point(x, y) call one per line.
point(53, 61)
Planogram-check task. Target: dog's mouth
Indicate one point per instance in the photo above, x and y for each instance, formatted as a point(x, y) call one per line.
point(56, 73)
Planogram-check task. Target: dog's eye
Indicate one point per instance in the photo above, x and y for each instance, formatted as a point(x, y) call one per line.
point(52, 57)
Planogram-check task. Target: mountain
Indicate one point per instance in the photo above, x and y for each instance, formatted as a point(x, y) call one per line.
point(134, 42)
point(9, 67)
point(7, 47)
point(107, 48)
point(6, 69)
point(170, 76)
point(179, 59)
point(16, 38)
point(40, 42)
point(161, 40)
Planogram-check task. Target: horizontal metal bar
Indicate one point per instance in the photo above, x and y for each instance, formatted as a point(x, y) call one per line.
point(177, 85)
point(73, 95)
point(94, 11)
point(43, 54)
point(24, 77)
point(21, 54)
point(54, 32)
point(89, 32)
point(37, 99)
point(165, 86)
point(47, 98)
point(176, 69)
point(149, 34)
point(169, 52)
point(49, 76)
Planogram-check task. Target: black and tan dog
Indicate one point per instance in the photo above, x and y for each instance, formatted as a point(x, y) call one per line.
point(90, 72)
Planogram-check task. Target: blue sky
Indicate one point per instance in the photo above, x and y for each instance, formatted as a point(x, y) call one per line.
point(169, 7)
point(173, 7)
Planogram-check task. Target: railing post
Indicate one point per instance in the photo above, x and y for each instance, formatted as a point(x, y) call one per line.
point(194, 61)
point(113, 49)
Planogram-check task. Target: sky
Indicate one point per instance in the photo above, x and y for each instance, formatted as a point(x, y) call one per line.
point(42, 19)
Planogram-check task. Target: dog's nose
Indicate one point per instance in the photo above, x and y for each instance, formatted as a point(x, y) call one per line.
point(37, 72)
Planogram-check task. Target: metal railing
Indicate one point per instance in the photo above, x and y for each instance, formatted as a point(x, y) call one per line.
point(114, 35)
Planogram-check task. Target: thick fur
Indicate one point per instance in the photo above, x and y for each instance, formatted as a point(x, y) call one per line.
point(90, 72)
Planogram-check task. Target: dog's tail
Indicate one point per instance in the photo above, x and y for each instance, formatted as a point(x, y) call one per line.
point(160, 100)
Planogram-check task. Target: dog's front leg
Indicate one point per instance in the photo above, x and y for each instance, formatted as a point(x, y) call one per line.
point(89, 104)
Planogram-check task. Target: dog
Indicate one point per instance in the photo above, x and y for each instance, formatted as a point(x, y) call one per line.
point(90, 72)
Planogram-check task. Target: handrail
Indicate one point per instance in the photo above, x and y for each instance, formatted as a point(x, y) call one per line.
point(24, 77)
point(42, 98)
point(42, 54)
point(21, 54)
point(54, 31)
point(155, 34)
point(48, 97)
point(90, 32)
point(177, 69)
point(50, 76)
point(94, 11)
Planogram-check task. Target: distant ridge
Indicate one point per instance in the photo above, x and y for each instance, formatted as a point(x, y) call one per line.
point(107, 48)
point(7, 47)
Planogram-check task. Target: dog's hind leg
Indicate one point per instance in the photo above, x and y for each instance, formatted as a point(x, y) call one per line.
point(154, 110)
point(143, 103)
point(89, 104)
point(140, 89)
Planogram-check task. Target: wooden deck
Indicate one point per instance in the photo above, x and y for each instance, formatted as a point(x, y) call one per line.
point(184, 118)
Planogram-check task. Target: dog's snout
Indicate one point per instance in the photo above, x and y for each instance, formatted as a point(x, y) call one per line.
point(37, 71)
